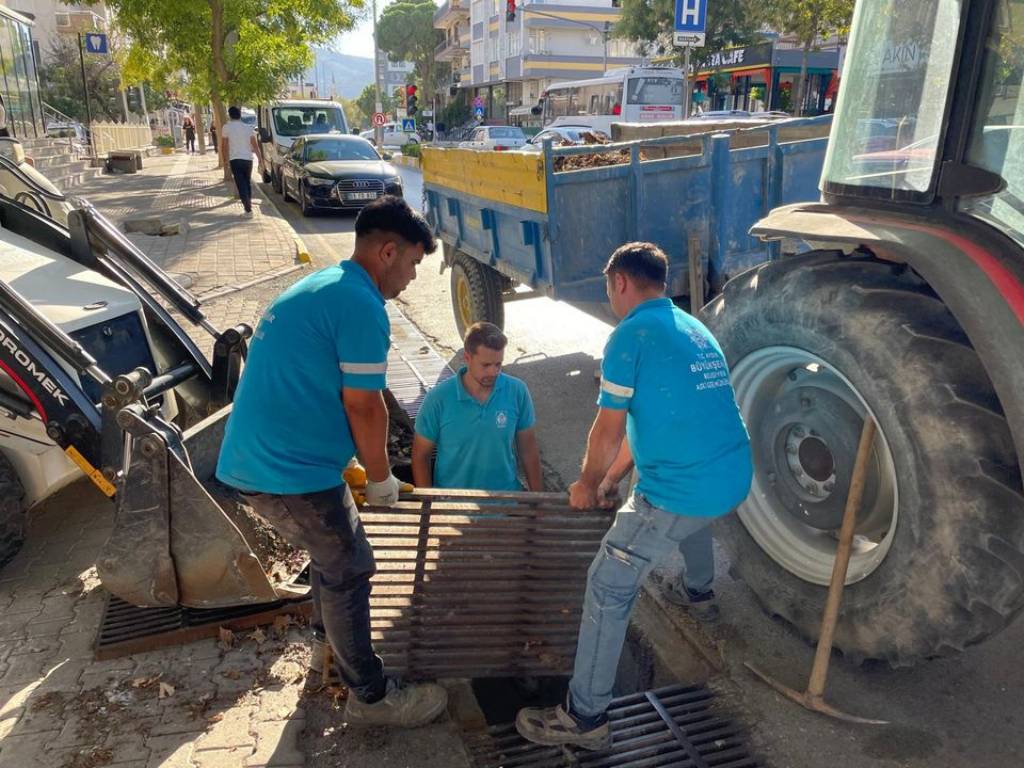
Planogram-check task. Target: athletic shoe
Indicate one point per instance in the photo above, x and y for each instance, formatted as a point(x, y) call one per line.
point(701, 605)
point(554, 726)
point(407, 706)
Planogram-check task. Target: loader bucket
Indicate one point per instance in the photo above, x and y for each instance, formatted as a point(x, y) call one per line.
point(179, 537)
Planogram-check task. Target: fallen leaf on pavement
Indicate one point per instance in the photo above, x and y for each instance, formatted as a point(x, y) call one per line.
point(144, 682)
point(232, 674)
point(166, 689)
point(227, 639)
point(259, 636)
point(215, 718)
point(281, 624)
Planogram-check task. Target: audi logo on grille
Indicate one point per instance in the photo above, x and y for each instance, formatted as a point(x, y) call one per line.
point(362, 184)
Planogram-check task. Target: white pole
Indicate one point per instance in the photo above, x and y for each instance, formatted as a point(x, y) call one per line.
point(686, 82)
point(378, 131)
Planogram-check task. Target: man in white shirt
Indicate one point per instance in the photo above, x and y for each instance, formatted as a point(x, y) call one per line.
point(238, 145)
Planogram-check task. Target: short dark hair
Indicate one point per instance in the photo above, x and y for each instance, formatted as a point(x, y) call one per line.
point(484, 334)
point(393, 215)
point(234, 113)
point(645, 263)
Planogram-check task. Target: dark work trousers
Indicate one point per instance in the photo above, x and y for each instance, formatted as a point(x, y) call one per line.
point(327, 525)
point(242, 171)
point(190, 141)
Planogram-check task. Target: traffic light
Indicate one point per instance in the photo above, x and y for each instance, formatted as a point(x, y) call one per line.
point(510, 10)
point(410, 100)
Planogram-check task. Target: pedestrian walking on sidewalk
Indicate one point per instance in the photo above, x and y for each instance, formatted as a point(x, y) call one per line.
point(213, 137)
point(190, 135)
point(664, 378)
point(310, 397)
point(237, 147)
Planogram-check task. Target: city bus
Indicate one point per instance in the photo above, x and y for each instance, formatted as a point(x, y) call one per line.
point(627, 95)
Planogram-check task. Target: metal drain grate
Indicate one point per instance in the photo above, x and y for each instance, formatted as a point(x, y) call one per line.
point(675, 726)
point(414, 367)
point(468, 585)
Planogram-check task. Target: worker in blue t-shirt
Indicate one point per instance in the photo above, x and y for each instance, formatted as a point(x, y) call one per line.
point(666, 403)
point(310, 398)
point(480, 421)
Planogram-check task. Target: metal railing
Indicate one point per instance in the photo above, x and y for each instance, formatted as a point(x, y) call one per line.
point(75, 143)
point(108, 137)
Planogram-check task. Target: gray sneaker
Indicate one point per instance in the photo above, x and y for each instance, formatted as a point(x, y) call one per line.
point(554, 726)
point(407, 706)
point(700, 605)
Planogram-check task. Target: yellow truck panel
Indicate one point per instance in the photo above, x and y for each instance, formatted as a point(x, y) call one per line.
point(513, 178)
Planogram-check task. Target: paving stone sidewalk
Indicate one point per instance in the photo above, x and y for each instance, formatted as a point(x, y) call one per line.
point(216, 247)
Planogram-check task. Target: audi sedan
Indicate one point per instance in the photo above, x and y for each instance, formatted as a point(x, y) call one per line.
point(336, 172)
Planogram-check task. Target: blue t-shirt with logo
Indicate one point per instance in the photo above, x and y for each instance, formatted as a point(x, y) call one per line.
point(685, 430)
point(288, 432)
point(476, 442)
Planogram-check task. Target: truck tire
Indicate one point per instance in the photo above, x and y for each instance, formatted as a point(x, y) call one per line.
point(12, 512)
point(476, 293)
point(813, 343)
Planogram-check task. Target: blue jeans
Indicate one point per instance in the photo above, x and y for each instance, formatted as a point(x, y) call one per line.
point(641, 536)
point(327, 525)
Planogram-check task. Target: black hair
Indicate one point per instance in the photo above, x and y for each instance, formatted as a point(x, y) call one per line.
point(484, 334)
point(393, 215)
point(645, 263)
point(234, 113)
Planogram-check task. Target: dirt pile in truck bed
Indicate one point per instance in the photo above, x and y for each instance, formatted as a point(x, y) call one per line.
point(595, 160)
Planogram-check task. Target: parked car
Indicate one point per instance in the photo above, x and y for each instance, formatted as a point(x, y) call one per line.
point(495, 137)
point(281, 122)
point(560, 136)
point(336, 172)
point(394, 136)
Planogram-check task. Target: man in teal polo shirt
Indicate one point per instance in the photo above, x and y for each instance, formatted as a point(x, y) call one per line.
point(309, 399)
point(479, 421)
point(665, 385)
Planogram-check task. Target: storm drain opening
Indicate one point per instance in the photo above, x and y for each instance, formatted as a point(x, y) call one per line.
point(676, 725)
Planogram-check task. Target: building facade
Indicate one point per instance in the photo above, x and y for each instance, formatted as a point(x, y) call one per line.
point(507, 65)
point(55, 21)
point(19, 83)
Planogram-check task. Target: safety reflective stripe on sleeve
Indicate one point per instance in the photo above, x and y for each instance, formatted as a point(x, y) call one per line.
point(364, 369)
point(616, 390)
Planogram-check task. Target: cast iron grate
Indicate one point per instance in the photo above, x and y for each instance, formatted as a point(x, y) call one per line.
point(468, 584)
point(676, 726)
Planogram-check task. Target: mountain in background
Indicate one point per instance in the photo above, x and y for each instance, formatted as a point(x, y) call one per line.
point(345, 75)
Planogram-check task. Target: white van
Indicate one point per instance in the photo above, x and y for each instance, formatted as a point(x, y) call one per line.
point(281, 122)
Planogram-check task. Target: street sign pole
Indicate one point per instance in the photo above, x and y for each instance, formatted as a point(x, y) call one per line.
point(85, 87)
point(690, 26)
point(378, 130)
point(687, 83)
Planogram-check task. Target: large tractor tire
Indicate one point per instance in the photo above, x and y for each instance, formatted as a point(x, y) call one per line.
point(476, 293)
point(12, 512)
point(814, 343)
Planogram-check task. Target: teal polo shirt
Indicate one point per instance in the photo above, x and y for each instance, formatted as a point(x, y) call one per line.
point(476, 442)
point(690, 445)
point(288, 432)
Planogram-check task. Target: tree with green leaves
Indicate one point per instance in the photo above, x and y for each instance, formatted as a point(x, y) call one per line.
point(811, 21)
point(354, 114)
point(60, 83)
point(406, 32)
point(730, 23)
point(231, 51)
point(367, 101)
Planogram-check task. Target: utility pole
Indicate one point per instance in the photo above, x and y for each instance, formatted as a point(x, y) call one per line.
point(378, 130)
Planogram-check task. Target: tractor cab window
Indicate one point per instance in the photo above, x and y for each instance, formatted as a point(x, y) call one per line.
point(889, 118)
point(997, 136)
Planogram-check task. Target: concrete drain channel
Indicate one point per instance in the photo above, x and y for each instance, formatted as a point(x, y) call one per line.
point(488, 589)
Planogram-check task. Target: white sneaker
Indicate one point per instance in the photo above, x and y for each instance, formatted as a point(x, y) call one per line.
point(247, 215)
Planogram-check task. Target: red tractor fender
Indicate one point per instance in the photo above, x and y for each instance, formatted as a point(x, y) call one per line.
point(976, 271)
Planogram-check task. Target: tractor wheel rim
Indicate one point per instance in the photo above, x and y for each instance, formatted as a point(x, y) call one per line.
point(805, 419)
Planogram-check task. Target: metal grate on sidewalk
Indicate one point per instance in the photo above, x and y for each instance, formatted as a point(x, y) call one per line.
point(468, 584)
point(414, 367)
point(675, 726)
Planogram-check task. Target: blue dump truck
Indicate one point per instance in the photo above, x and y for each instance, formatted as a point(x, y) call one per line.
point(514, 219)
point(893, 292)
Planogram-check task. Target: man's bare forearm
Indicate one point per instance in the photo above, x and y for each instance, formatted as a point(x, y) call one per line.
point(602, 448)
point(529, 455)
point(369, 424)
point(621, 465)
point(422, 474)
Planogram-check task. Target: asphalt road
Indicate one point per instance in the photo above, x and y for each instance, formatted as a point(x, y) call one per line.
point(966, 711)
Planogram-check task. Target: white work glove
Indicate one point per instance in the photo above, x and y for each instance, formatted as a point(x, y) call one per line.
point(384, 493)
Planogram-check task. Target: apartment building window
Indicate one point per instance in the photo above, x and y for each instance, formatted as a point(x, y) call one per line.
point(63, 20)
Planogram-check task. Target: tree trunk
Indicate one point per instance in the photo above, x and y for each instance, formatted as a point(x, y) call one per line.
point(197, 116)
point(801, 82)
point(220, 78)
